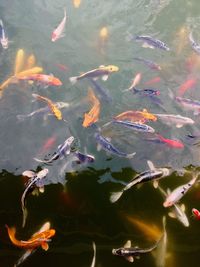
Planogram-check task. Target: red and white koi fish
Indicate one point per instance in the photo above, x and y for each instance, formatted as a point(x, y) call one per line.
point(58, 32)
point(196, 213)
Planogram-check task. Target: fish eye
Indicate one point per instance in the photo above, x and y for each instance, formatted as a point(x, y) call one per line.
point(111, 68)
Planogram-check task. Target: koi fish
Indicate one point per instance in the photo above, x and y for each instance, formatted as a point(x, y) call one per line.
point(28, 252)
point(149, 63)
point(19, 61)
point(178, 120)
point(195, 46)
point(189, 104)
point(32, 71)
point(153, 81)
point(48, 144)
point(34, 179)
point(170, 142)
point(135, 126)
point(151, 231)
point(3, 39)
point(62, 150)
point(146, 92)
point(103, 34)
point(154, 174)
point(107, 146)
point(187, 85)
point(58, 32)
point(196, 213)
point(41, 78)
point(135, 82)
point(37, 240)
point(177, 211)
point(150, 42)
point(174, 196)
point(101, 91)
point(93, 115)
point(44, 110)
point(84, 158)
point(182, 39)
point(76, 3)
point(56, 111)
point(136, 116)
point(129, 252)
point(102, 71)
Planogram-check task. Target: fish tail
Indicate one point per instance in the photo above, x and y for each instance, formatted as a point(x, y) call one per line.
point(73, 80)
point(1, 23)
point(115, 196)
point(65, 12)
point(130, 156)
point(171, 94)
point(21, 117)
point(129, 36)
point(40, 160)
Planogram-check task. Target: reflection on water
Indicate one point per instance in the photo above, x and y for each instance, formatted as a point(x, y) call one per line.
point(76, 194)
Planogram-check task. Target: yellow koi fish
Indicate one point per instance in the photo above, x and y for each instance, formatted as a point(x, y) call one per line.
point(30, 63)
point(31, 71)
point(19, 61)
point(76, 3)
point(56, 112)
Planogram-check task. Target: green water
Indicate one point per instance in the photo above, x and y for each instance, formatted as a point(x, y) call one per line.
point(77, 203)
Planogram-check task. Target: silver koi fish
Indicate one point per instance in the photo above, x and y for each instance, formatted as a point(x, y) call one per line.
point(135, 126)
point(189, 104)
point(154, 174)
point(150, 42)
point(178, 120)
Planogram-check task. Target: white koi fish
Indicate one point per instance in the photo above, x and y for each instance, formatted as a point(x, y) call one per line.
point(3, 39)
point(58, 32)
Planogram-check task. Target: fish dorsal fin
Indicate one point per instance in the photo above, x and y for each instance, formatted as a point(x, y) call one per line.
point(29, 174)
point(179, 125)
point(151, 165)
point(146, 45)
point(108, 139)
point(101, 66)
point(127, 244)
point(183, 207)
point(168, 191)
point(171, 215)
point(105, 77)
point(45, 246)
point(130, 258)
point(145, 110)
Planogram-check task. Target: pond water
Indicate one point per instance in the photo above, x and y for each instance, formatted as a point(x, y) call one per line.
point(76, 199)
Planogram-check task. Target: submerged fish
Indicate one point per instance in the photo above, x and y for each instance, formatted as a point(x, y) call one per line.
point(84, 158)
point(178, 120)
point(107, 146)
point(174, 196)
point(19, 61)
point(101, 91)
point(153, 81)
point(136, 116)
point(58, 32)
point(40, 239)
point(150, 42)
point(48, 80)
point(34, 179)
point(52, 106)
point(190, 83)
point(169, 142)
point(77, 3)
point(195, 46)
point(154, 174)
point(62, 150)
point(146, 92)
point(3, 38)
point(189, 104)
point(149, 63)
point(46, 226)
point(135, 82)
point(30, 62)
point(102, 71)
point(135, 126)
point(129, 252)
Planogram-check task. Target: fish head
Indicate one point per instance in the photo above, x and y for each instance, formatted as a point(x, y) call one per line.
point(56, 82)
point(118, 251)
point(111, 68)
point(4, 43)
point(167, 203)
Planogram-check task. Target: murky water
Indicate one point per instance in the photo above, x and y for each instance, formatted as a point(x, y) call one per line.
point(76, 198)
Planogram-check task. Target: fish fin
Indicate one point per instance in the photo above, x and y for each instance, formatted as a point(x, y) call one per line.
point(129, 36)
point(108, 139)
point(99, 147)
point(155, 184)
point(183, 207)
point(127, 244)
point(41, 189)
point(73, 80)
point(171, 94)
point(45, 246)
point(151, 165)
point(171, 215)
point(168, 191)
point(130, 156)
point(24, 257)
point(29, 174)
point(129, 258)
point(146, 45)
point(65, 12)
point(101, 66)
point(21, 117)
point(115, 196)
point(179, 125)
point(105, 77)
point(94, 256)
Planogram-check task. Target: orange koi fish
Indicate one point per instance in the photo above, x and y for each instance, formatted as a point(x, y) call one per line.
point(152, 232)
point(42, 78)
point(40, 239)
point(93, 115)
point(190, 83)
point(19, 61)
point(56, 112)
point(153, 81)
point(136, 116)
